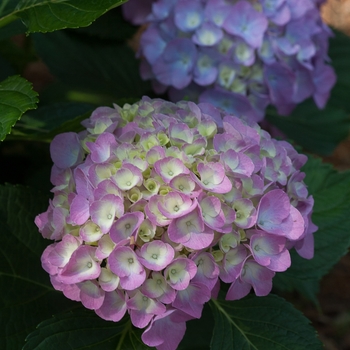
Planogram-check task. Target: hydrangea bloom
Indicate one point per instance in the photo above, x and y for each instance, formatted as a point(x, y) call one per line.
point(155, 203)
point(238, 55)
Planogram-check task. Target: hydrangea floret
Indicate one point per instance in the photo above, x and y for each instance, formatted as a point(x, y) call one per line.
point(238, 55)
point(155, 204)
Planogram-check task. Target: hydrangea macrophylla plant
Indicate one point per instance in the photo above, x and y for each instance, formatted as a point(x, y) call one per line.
point(155, 204)
point(238, 55)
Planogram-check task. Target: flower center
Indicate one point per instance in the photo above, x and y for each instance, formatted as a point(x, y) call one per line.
point(109, 216)
point(131, 260)
point(89, 264)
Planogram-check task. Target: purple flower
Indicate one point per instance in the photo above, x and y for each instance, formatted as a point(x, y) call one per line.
point(277, 216)
point(174, 66)
point(252, 275)
point(156, 255)
point(244, 21)
point(143, 309)
point(66, 150)
point(168, 328)
point(179, 273)
point(166, 202)
point(124, 263)
point(81, 266)
point(269, 250)
point(238, 55)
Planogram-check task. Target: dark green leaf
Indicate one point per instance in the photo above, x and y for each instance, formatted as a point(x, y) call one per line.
point(6, 69)
point(47, 121)
point(26, 296)
point(201, 330)
point(104, 72)
point(110, 26)
point(49, 15)
point(16, 97)
point(318, 131)
point(331, 191)
point(339, 52)
point(13, 28)
point(261, 323)
point(83, 329)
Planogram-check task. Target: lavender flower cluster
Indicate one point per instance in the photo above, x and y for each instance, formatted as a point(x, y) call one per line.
point(155, 203)
point(238, 55)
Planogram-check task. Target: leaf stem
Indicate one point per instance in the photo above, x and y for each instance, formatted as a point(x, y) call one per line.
point(4, 21)
point(125, 331)
point(28, 280)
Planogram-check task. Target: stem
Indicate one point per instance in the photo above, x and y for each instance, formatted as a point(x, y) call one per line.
point(4, 21)
point(125, 331)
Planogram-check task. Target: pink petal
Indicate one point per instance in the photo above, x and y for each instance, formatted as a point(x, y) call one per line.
point(101, 148)
point(170, 167)
point(166, 331)
point(91, 294)
point(66, 150)
point(191, 231)
point(113, 307)
point(104, 211)
point(79, 211)
point(273, 208)
point(192, 299)
point(156, 255)
point(61, 254)
point(82, 266)
point(124, 263)
point(126, 226)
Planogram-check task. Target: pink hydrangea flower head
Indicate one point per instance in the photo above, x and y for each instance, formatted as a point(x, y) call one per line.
point(163, 202)
point(238, 55)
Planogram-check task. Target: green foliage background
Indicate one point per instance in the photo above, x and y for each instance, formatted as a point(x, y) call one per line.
point(92, 66)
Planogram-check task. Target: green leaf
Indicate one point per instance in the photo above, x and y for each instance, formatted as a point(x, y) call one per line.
point(201, 330)
point(107, 71)
point(49, 15)
point(83, 329)
point(47, 121)
point(13, 28)
point(331, 192)
point(26, 296)
point(6, 68)
point(318, 131)
point(110, 26)
point(339, 52)
point(261, 323)
point(16, 97)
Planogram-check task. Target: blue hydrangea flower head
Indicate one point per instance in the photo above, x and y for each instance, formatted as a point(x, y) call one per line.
point(241, 55)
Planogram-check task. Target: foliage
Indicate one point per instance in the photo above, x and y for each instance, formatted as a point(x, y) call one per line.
point(95, 65)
